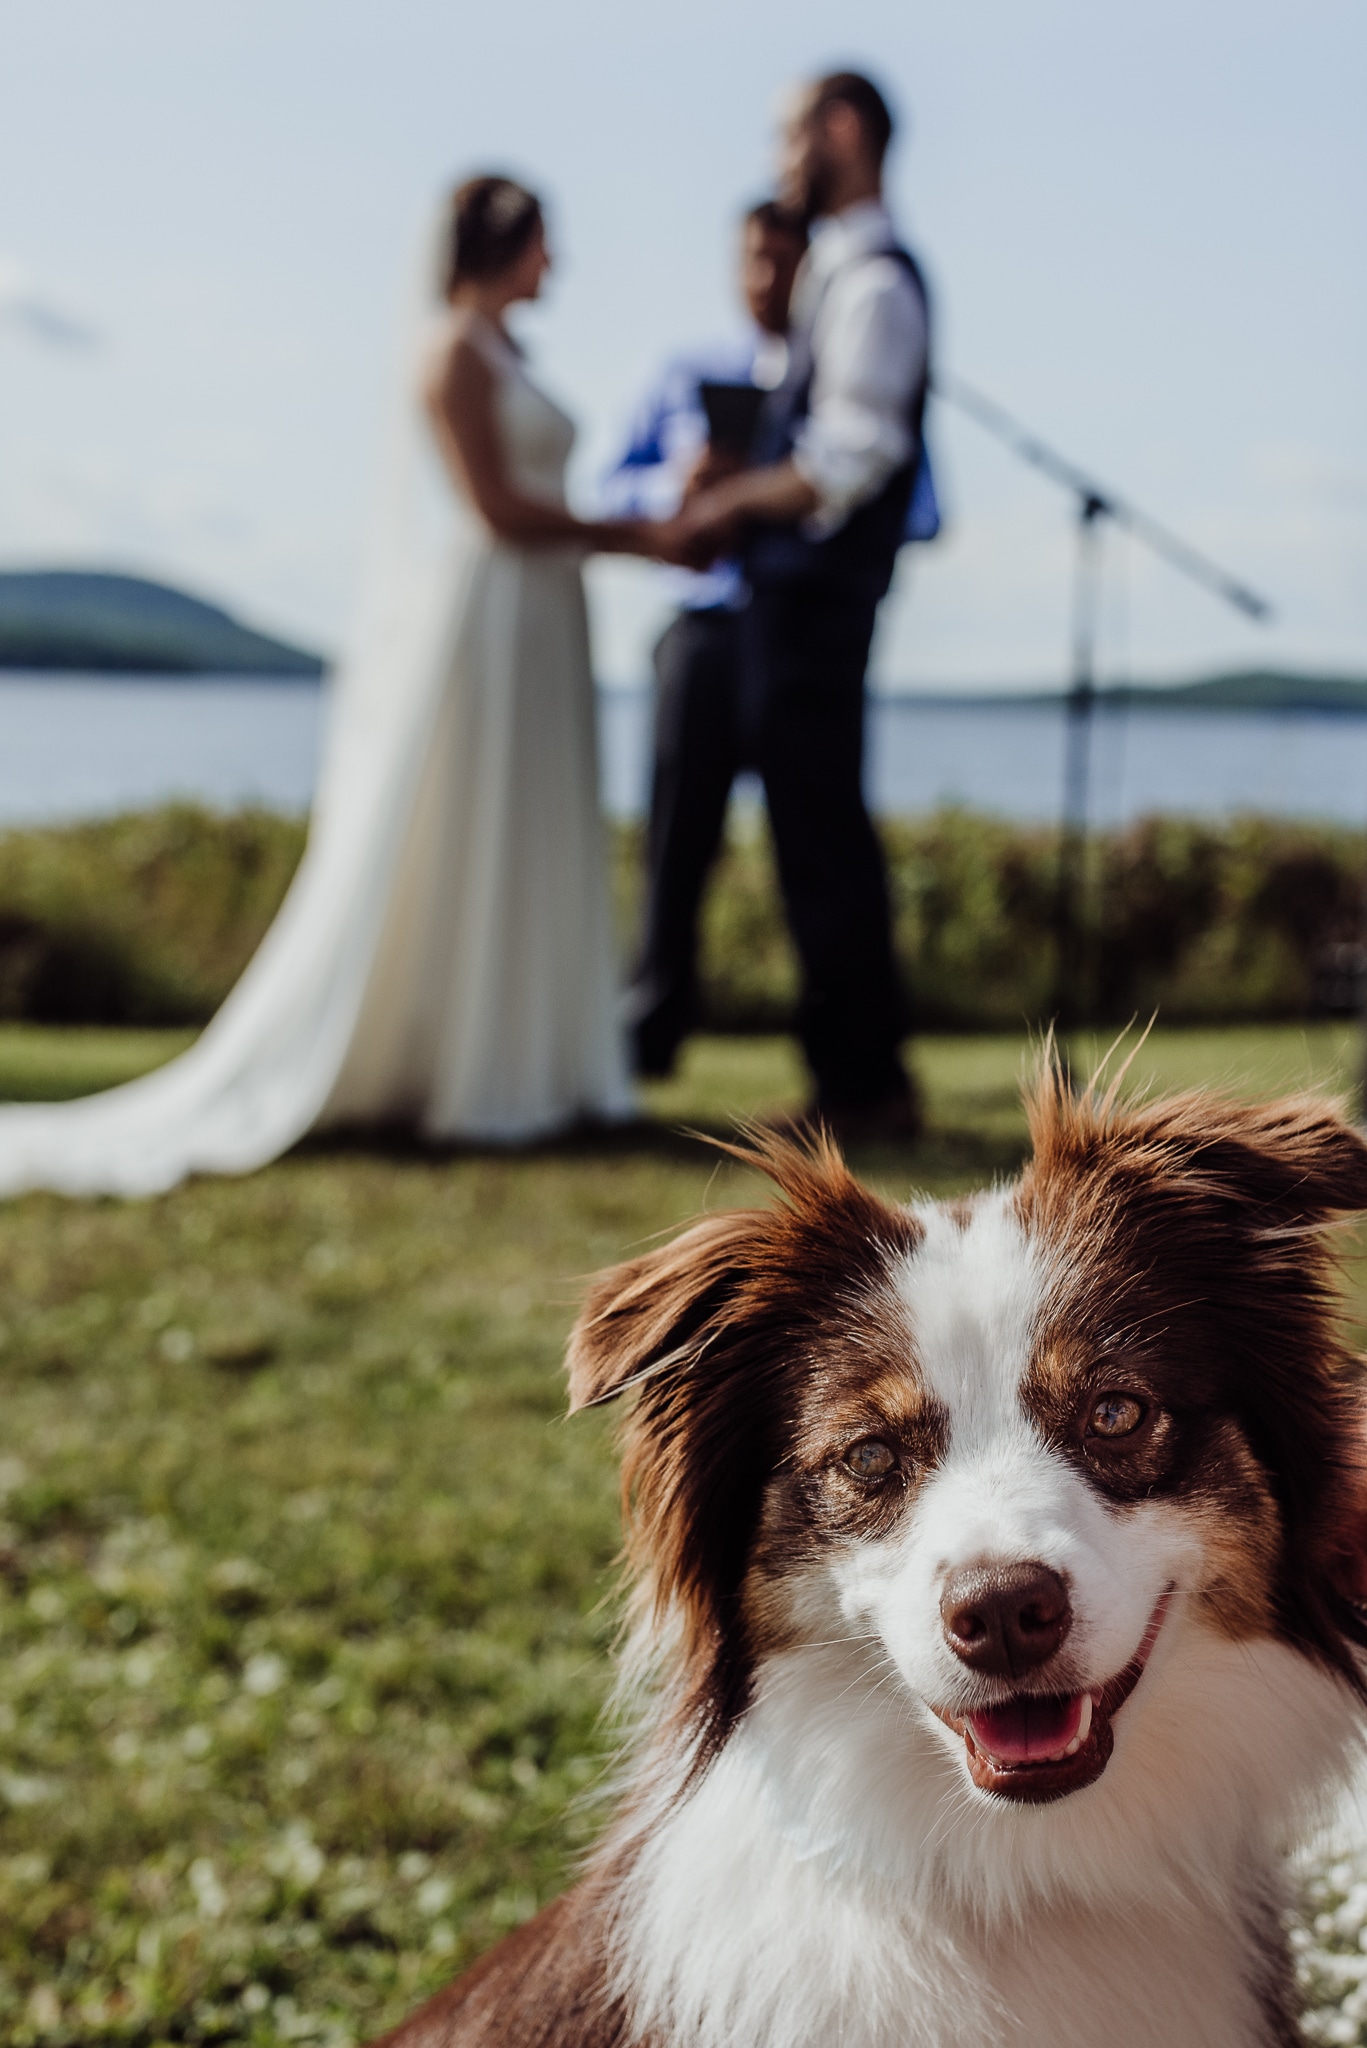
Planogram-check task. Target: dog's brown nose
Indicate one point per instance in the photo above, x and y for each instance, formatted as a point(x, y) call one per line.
point(1005, 1619)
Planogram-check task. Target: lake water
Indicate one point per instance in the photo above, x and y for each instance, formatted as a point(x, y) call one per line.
point(80, 746)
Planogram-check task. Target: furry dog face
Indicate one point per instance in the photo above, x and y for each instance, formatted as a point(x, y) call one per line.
point(996, 1566)
point(1002, 1463)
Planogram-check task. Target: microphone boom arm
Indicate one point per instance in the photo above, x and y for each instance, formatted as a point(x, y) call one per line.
point(1189, 560)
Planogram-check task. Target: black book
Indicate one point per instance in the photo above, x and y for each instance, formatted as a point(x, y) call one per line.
point(733, 412)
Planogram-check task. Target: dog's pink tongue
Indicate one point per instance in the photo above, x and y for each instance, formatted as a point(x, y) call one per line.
point(1027, 1730)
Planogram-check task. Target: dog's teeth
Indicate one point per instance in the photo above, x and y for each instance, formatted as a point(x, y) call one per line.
point(1084, 1726)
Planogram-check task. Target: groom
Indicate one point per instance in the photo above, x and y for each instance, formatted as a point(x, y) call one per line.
point(817, 522)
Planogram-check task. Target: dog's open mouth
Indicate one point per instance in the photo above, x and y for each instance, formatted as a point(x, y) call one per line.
point(1038, 1746)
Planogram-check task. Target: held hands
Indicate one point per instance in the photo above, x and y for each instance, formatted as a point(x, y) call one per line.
point(697, 535)
point(713, 465)
point(720, 497)
point(701, 529)
point(709, 522)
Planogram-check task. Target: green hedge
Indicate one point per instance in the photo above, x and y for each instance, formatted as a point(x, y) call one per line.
point(150, 918)
point(143, 919)
point(1252, 919)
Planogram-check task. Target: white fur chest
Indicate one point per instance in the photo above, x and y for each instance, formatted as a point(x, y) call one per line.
point(832, 1881)
point(732, 1937)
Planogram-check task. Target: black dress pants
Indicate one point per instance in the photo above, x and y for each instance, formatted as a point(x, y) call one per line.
point(805, 649)
point(697, 757)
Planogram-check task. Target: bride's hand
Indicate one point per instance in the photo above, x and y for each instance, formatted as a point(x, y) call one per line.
point(707, 526)
point(658, 540)
point(677, 542)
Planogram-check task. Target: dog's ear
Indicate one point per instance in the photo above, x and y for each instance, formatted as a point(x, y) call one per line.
point(672, 1329)
point(708, 1333)
point(641, 1319)
point(1277, 1175)
point(1225, 1207)
point(1291, 1162)
point(1347, 1571)
point(1273, 1177)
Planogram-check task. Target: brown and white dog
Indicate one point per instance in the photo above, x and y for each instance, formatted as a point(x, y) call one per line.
point(995, 1605)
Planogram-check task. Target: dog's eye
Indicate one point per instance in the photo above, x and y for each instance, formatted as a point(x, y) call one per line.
point(1115, 1415)
point(871, 1458)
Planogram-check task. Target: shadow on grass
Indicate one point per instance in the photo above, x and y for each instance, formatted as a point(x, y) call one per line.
point(945, 1151)
point(642, 1137)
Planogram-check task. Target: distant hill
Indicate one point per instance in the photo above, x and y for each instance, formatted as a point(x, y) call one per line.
point(78, 619)
point(1255, 690)
point(1241, 690)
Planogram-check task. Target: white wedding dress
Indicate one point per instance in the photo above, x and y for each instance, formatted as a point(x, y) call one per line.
point(444, 956)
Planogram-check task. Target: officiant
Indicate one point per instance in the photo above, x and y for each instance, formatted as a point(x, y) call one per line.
point(673, 453)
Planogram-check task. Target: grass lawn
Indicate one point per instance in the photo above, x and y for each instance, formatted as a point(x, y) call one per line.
point(303, 1625)
point(39, 1065)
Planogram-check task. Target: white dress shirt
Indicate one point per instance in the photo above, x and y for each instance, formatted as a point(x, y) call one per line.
point(866, 327)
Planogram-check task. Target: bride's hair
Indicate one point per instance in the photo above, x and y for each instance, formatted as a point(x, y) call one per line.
point(489, 223)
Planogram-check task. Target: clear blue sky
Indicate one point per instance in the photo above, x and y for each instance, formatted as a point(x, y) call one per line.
point(1145, 227)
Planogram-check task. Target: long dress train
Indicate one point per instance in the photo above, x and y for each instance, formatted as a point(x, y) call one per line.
point(444, 956)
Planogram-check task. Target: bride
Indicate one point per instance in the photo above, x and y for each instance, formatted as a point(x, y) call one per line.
point(444, 956)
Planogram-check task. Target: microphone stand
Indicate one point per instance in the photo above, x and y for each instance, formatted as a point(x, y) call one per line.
point(1095, 503)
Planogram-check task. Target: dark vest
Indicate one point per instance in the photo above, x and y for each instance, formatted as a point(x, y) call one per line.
point(860, 554)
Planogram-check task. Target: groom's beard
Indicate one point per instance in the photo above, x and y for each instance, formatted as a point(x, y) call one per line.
point(817, 191)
